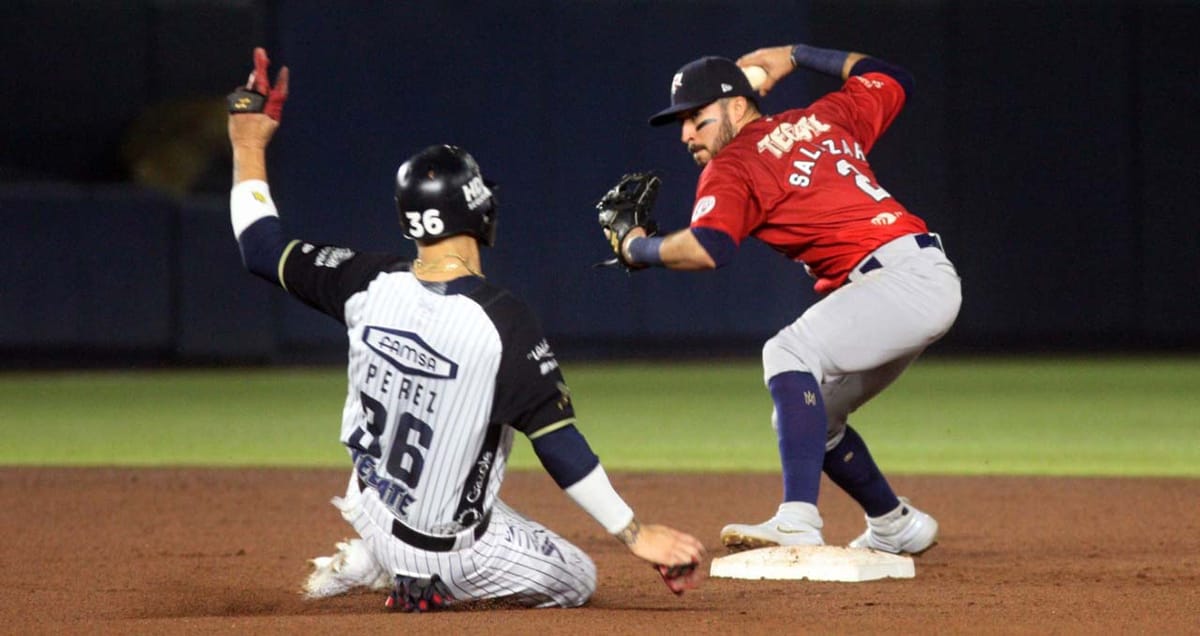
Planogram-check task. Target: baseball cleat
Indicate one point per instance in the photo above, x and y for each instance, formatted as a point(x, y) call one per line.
point(904, 530)
point(352, 567)
point(795, 523)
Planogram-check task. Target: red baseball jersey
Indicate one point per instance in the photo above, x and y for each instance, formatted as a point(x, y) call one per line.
point(800, 182)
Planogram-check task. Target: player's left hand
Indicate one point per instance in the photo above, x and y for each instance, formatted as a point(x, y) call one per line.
point(255, 109)
point(626, 207)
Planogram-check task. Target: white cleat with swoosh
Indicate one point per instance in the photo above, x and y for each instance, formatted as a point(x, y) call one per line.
point(796, 523)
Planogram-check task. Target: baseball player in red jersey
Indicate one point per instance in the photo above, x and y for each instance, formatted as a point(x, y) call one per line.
point(800, 182)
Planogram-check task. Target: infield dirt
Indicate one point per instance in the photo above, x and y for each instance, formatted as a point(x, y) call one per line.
point(178, 551)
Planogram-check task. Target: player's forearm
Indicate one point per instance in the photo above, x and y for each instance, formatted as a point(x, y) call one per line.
point(596, 495)
point(847, 63)
point(827, 61)
point(679, 250)
point(682, 251)
point(249, 162)
point(569, 460)
point(851, 59)
point(249, 136)
point(257, 228)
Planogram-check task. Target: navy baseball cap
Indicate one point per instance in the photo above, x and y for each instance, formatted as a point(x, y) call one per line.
point(703, 82)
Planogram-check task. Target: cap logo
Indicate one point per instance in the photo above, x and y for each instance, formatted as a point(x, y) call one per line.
point(725, 88)
point(676, 83)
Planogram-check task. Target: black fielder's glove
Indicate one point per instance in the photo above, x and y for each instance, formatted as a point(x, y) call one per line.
point(626, 206)
point(413, 594)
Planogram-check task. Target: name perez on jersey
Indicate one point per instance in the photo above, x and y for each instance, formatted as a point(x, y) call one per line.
point(411, 391)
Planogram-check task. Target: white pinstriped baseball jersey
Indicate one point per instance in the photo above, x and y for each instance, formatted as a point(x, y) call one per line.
point(439, 377)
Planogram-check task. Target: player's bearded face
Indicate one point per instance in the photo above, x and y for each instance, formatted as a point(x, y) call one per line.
point(708, 131)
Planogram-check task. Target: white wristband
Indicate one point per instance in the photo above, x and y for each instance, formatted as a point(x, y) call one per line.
point(596, 495)
point(249, 201)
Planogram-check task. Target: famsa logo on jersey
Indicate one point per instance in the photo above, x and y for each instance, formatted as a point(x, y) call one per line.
point(408, 353)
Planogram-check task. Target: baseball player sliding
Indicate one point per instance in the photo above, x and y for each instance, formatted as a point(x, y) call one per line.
point(444, 366)
point(800, 182)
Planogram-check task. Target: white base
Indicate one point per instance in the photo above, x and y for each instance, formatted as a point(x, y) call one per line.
point(815, 563)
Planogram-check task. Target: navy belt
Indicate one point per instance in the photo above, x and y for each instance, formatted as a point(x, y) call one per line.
point(429, 542)
point(923, 241)
point(432, 543)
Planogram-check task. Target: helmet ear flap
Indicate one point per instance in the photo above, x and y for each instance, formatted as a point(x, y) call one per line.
point(400, 216)
point(487, 229)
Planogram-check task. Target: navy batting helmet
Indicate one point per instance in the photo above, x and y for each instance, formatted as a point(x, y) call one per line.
point(440, 193)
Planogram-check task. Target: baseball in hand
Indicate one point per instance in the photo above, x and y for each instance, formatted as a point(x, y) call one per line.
point(756, 75)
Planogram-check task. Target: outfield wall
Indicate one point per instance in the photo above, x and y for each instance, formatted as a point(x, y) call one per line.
point(1052, 146)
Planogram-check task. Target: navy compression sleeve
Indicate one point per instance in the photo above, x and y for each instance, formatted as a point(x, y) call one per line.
point(262, 245)
point(827, 61)
point(873, 65)
point(565, 455)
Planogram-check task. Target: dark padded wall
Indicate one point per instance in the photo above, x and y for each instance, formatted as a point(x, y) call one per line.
point(1165, 173)
point(88, 268)
point(552, 99)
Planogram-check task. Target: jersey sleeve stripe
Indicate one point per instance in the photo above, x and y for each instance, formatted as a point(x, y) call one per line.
point(546, 430)
point(283, 259)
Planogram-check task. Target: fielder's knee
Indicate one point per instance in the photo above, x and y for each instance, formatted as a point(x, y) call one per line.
point(784, 353)
point(837, 430)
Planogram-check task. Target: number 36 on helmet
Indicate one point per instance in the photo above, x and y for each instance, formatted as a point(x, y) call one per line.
point(441, 193)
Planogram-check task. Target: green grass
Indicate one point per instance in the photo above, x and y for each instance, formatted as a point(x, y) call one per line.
point(172, 417)
point(1069, 416)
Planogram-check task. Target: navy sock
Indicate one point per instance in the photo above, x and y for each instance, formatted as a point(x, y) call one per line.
point(801, 427)
point(851, 467)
